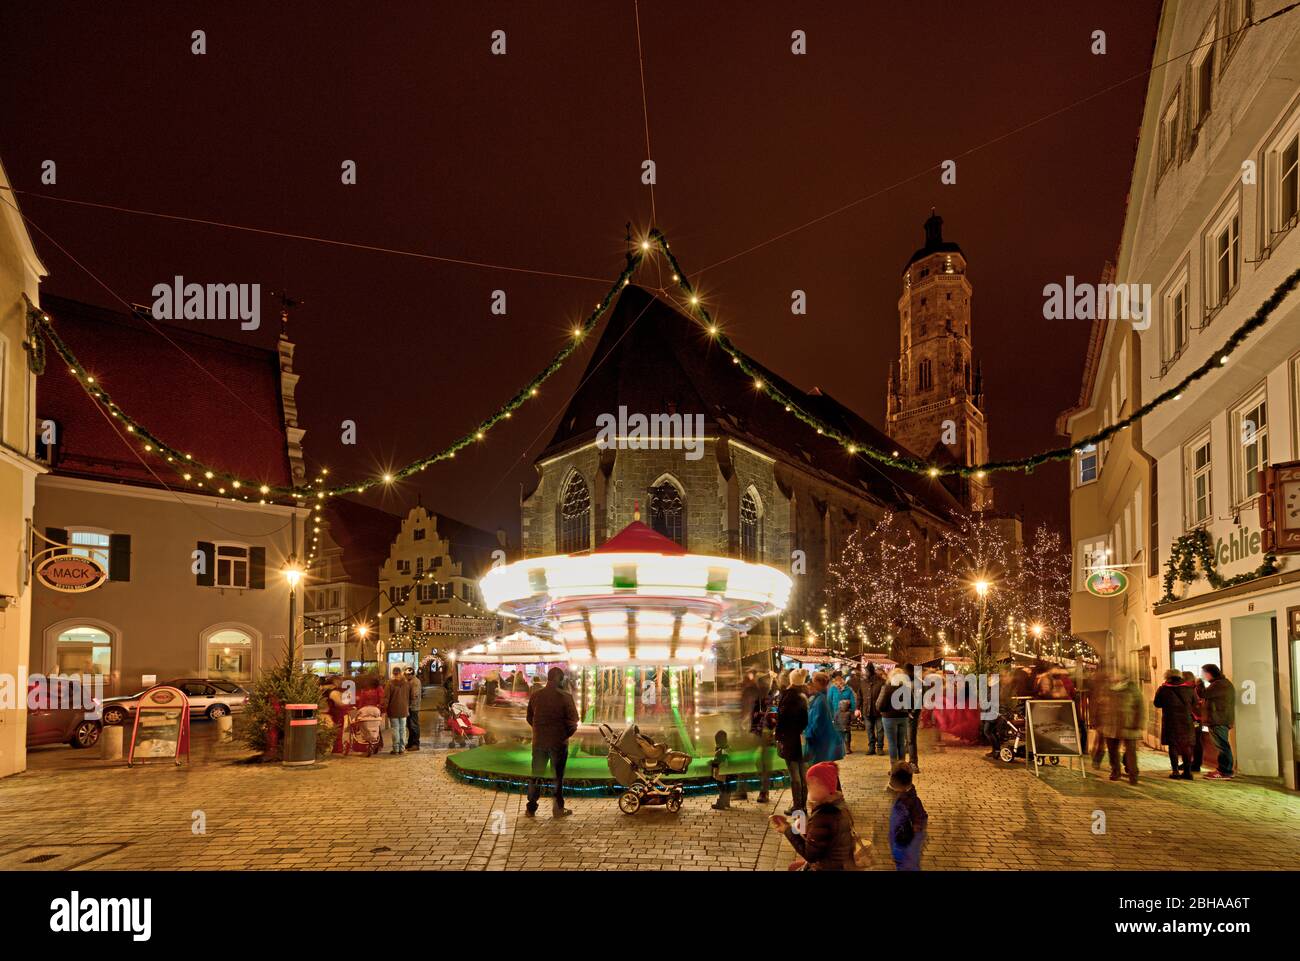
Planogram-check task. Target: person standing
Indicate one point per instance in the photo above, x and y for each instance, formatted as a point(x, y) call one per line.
point(893, 703)
point(1198, 714)
point(554, 719)
point(1176, 699)
point(913, 718)
point(791, 719)
point(824, 741)
point(413, 718)
point(761, 730)
point(1220, 705)
point(1123, 725)
point(397, 705)
point(907, 821)
point(871, 686)
point(844, 705)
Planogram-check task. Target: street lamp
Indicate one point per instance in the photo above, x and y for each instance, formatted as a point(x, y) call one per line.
point(982, 589)
point(292, 575)
point(1037, 631)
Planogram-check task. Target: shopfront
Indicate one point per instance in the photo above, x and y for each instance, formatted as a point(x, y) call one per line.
point(1254, 637)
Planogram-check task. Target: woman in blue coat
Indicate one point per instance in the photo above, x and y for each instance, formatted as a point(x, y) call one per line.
point(824, 742)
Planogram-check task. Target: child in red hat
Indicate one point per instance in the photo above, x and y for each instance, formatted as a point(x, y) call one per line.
point(825, 841)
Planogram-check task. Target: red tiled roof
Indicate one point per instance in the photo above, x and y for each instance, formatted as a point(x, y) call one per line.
point(154, 382)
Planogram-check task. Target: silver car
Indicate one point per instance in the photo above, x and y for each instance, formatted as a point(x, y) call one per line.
point(210, 698)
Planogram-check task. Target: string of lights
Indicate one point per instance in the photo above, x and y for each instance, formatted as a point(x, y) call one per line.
point(208, 477)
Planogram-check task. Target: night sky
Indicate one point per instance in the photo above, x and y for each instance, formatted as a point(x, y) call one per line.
point(533, 160)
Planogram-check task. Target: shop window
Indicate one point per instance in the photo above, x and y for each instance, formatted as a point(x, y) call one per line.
point(84, 650)
point(230, 655)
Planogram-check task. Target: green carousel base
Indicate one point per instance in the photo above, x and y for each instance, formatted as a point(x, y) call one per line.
point(508, 767)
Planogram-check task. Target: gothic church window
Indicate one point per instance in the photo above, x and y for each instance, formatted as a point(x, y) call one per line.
point(668, 511)
point(751, 527)
point(575, 516)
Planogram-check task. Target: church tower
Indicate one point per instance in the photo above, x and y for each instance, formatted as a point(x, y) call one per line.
point(935, 404)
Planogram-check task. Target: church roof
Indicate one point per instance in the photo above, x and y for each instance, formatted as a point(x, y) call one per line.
point(934, 242)
point(653, 359)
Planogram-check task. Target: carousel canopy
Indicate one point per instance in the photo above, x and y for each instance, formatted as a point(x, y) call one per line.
point(637, 599)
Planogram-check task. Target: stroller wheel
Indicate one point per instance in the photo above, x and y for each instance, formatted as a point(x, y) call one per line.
point(1007, 754)
point(629, 803)
point(674, 803)
point(1054, 759)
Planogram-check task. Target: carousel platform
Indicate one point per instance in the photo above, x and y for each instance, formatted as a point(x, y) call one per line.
point(508, 767)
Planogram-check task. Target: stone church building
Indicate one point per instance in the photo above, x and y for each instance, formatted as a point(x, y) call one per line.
point(761, 485)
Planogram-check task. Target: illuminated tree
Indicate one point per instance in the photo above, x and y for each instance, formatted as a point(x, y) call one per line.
point(880, 587)
point(973, 585)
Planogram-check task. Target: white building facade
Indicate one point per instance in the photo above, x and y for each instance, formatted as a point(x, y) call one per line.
point(1211, 228)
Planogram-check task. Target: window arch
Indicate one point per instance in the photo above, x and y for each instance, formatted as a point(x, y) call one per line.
point(751, 526)
point(573, 524)
point(230, 651)
point(84, 645)
point(667, 502)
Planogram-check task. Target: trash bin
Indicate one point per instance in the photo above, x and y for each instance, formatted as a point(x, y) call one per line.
point(110, 742)
point(300, 734)
point(225, 729)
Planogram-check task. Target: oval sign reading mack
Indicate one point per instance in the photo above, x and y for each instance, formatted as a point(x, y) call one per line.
point(70, 573)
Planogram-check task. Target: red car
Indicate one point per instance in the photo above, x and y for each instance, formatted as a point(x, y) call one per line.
point(57, 714)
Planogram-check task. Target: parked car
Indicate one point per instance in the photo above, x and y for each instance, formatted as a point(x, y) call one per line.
point(60, 715)
point(208, 698)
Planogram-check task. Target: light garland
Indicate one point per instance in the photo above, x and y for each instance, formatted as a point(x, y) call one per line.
point(185, 465)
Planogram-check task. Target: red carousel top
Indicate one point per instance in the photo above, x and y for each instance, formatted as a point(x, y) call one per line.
point(637, 538)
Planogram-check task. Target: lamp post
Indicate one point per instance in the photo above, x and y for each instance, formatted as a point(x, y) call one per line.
point(362, 631)
point(292, 575)
point(1037, 631)
point(982, 589)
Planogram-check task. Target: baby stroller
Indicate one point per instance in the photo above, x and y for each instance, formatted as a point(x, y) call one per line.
point(639, 763)
point(361, 731)
point(1012, 727)
point(457, 718)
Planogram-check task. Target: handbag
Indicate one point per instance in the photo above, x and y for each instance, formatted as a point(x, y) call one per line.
point(861, 850)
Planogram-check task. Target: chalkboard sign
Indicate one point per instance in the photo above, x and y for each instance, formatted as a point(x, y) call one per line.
point(1053, 730)
point(162, 726)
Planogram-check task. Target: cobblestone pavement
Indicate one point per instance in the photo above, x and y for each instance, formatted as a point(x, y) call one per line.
point(71, 810)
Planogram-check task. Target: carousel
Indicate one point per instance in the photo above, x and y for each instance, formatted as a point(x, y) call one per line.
point(639, 621)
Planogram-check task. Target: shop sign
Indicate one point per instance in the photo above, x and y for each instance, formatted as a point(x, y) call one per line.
point(1195, 637)
point(162, 726)
point(1106, 583)
point(70, 573)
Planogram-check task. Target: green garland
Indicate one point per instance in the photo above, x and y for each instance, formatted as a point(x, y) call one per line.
point(34, 345)
point(1195, 546)
point(185, 465)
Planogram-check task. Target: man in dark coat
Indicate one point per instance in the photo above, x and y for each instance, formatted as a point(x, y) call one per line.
point(554, 719)
point(791, 719)
point(1177, 702)
point(1220, 706)
point(871, 686)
